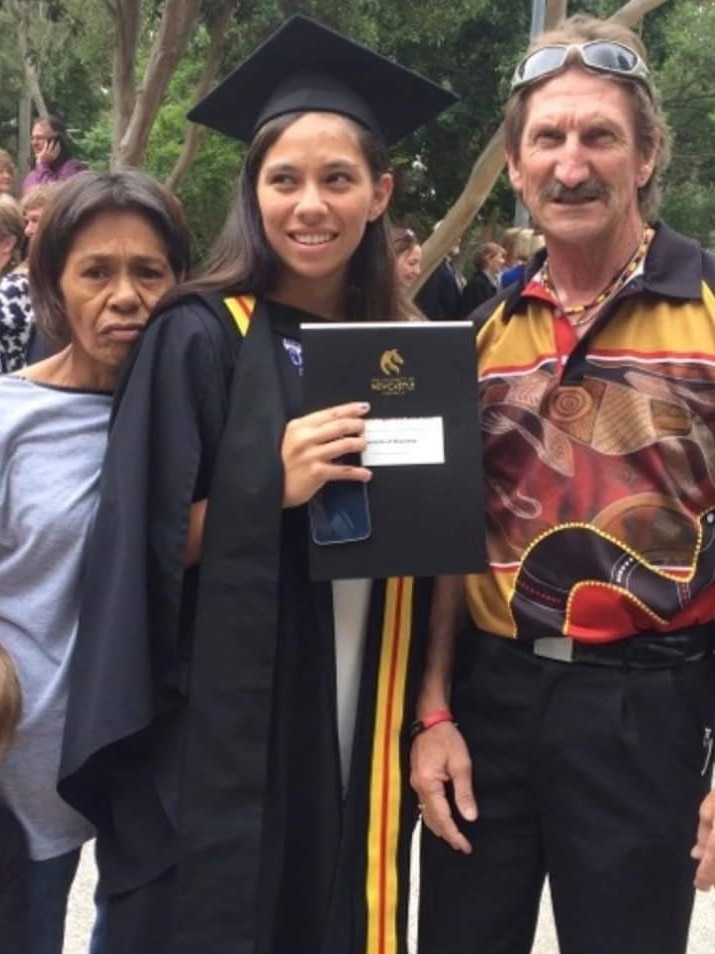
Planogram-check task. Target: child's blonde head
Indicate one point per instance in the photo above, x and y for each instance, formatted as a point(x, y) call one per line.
point(10, 700)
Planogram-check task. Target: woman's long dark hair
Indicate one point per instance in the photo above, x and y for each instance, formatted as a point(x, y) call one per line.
point(60, 134)
point(242, 260)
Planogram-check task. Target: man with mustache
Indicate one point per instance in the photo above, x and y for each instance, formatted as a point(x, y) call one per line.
point(566, 728)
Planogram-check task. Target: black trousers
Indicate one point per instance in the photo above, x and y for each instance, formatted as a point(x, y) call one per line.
point(14, 936)
point(591, 775)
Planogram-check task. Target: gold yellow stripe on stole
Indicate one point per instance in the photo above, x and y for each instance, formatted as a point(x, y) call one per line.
point(241, 308)
point(385, 775)
point(708, 297)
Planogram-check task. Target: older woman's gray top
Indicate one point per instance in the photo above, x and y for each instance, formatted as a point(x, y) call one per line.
point(52, 443)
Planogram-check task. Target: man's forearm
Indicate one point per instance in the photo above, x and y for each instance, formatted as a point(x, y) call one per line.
point(448, 609)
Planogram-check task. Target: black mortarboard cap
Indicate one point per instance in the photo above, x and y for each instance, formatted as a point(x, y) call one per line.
point(306, 67)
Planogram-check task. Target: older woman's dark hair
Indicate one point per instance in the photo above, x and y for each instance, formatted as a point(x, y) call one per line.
point(243, 261)
point(73, 206)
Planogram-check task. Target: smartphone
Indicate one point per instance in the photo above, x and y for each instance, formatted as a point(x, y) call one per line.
point(340, 513)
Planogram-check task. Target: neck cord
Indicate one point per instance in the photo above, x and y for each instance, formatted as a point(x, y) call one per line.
point(586, 311)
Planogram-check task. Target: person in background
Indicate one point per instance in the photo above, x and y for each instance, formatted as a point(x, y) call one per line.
point(12, 233)
point(14, 303)
point(522, 244)
point(32, 204)
point(13, 845)
point(54, 161)
point(38, 346)
point(488, 263)
point(509, 239)
point(440, 296)
point(109, 247)
point(569, 731)
point(20, 343)
point(7, 173)
point(408, 255)
point(234, 721)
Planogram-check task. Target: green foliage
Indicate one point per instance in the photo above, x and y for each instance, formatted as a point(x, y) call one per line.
point(474, 55)
point(689, 207)
point(685, 76)
point(470, 46)
point(70, 46)
point(207, 190)
point(95, 143)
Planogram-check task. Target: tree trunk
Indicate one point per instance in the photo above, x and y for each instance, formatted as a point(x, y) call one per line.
point(195, 133)
point(21, 12)
point(556, 11)
point(127, 19)
point(177, 20)
point(484, 174)
point(488, 166)
point(24, 120)
point(632, 13)
point(33, 87)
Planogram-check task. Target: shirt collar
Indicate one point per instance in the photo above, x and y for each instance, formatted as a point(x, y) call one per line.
point(673, 269)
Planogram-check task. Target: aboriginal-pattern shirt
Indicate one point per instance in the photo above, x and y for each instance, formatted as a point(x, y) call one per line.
point(600, 456)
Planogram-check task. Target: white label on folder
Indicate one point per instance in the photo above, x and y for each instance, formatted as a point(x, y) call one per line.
point(395, 441)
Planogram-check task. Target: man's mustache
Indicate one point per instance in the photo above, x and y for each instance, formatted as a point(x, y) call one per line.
point(589, 189)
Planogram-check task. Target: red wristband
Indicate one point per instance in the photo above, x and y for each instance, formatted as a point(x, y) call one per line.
point(432, 718)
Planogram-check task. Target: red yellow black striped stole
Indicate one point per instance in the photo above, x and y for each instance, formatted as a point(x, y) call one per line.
point(241, 308)
point(383, 882)
point(386, 782)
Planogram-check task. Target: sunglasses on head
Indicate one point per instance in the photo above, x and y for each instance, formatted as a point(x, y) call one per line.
point(603, 56)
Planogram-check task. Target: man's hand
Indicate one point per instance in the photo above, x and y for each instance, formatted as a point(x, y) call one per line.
point(439, 756)
point(704, 849)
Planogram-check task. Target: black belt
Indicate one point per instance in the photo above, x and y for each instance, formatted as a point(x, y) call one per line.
point(642, 651)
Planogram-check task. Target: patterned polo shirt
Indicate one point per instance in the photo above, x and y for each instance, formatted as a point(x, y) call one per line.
point(599, 456)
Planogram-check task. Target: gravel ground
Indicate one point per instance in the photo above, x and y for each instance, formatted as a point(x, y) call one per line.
point(79, 922)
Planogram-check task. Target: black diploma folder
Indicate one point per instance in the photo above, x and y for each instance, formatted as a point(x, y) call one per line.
point(425, 497)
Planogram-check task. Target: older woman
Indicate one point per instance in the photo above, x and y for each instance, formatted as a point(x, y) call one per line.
point(110, 247)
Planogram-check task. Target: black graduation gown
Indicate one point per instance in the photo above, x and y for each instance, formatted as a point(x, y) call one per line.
point(441, 294)
point(477, 290)
point(201, 734)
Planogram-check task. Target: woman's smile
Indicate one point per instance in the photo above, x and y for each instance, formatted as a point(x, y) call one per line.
point(313, 238)
point(316, 195)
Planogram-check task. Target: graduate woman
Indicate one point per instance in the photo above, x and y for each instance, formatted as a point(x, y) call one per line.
point(210, 733)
